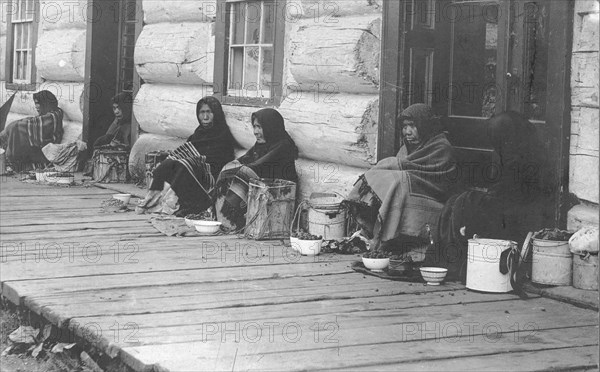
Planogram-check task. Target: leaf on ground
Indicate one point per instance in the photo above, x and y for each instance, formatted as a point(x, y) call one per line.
point(24, 335)
point(36, 351)
point(7, 350)
point(60, 347)
point(47, 332)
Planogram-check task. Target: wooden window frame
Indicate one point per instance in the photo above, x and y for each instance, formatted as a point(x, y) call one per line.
point(221, 65)
point(30, 84)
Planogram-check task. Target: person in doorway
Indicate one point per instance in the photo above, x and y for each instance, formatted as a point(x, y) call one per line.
point(119, 131)
point(273, 157)
point(182, 184)
point(509, 209)
point(398, 201)
point(24, 139)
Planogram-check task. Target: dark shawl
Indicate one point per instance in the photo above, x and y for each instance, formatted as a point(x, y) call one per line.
point(215, 143)
point(120, 129)
point(409, 189)
point(274, 159)
point(25, 138)
point(511, 208)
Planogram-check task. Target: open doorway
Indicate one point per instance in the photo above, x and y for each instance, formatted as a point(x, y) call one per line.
point(471, 59)
point(112, 31)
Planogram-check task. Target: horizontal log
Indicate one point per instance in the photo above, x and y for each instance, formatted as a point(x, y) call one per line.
point(343, 133)
point(169, 109)
point(173, 11)
point(340, 129)
point(60, 55)
point(70, 97)
point(341, 57)
point(72, 129)
point(176, 53)
point(146, 143)
point(327, 11)
point(65, 14)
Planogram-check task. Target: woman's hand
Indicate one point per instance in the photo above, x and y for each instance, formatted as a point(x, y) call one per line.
point(387, 163)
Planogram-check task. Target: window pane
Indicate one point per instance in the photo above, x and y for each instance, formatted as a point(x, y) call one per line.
point(236, 67)
point(268, 33)
point(420, 82)
point(536, 59)
point(22, 9)
point(25, 65)
point(18, 69)
point(474, 62)
point(18, 35)
point(251, 69)
point(25, 41)
point(266, 70)
point(253, 17)
point(237, 23)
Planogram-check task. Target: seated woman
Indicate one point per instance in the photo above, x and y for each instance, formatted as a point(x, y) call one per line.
point(508, 210)
point(24, 139)
point(273, 156)
point(399, 199)
point(119, 132)
point(190, 171)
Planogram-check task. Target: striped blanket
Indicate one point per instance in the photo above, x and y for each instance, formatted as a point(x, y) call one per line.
point(195, 163)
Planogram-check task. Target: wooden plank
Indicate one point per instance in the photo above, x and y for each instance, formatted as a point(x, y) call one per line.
point(539, 360)
point(231, 356)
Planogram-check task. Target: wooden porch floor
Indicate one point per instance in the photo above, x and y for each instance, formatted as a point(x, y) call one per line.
point(198, 304)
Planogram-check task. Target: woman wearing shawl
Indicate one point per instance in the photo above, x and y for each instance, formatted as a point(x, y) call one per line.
point(273, 156)
point(119, 132)
point(23, 139)
point(509, 209)
point(401, 197)
point(192, 168)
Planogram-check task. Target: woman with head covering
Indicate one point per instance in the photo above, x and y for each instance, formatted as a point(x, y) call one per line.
point(509, 209)
point(273, 156)
point(190, 170)
point(398, 200)
point(23, 139)
point(119, 132)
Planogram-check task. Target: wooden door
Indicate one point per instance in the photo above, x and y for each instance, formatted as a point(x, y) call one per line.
point(475, 58)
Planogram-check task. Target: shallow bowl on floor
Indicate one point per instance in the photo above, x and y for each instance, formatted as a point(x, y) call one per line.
point(433, 275)
point(207, 227)
point(307, 247)
point(376, 264)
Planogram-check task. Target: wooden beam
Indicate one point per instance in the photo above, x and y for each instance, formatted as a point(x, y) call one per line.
point(390, 93)
point(558, 106)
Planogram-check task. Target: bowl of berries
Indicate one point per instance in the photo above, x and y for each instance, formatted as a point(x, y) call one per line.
point(305, 243)
point(376, 260)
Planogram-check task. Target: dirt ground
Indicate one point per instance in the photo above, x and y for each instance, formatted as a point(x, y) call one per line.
point(23, 361)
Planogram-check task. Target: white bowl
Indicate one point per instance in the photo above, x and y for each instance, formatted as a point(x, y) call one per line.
point(122, 197)
point(307, 247)
point(433, 275)
point(189, 223)
point(376, 264)
point(207, 227)
point(294, 243)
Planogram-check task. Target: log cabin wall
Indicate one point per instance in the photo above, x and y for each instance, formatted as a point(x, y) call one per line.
point(331, 84)
point(59, 61)
point(583, 156)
